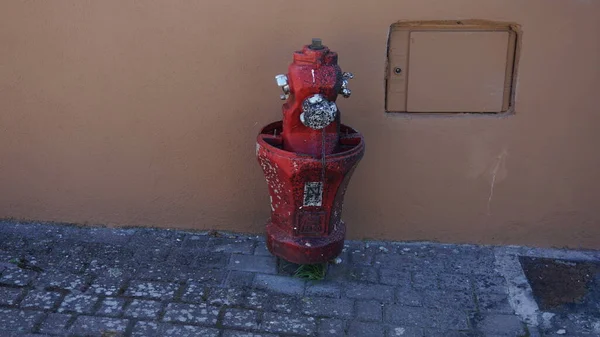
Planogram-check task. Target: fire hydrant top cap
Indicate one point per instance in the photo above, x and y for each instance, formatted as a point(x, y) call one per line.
point(316, 44)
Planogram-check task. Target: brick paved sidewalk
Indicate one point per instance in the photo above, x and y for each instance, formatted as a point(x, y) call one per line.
point(66, 280)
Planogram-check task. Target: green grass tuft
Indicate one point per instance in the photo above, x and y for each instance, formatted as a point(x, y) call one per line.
point(314, 272)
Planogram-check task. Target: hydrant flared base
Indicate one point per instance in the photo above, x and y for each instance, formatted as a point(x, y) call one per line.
point(305, 250)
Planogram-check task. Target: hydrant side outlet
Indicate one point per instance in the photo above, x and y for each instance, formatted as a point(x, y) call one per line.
point(308, 159)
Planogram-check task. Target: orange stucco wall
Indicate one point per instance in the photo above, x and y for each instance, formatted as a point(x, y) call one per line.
point(145, 113)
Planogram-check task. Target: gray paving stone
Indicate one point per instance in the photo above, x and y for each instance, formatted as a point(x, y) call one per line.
point(149, 289)
point(330, 327)
point(265, 301)
point(241, 319)
point(450, 252)
point(225, 296)
point(492, 283)
point(196, 241)
point(500, 325)
point(253, 263)
point(476, 263)
point(395, 277)
point(258, 300)
point(569, 324)
point(108, 236)
point(345, 272)
point(70, 231)
point(448, 333)
point(105, 257)
point(149, 255)
point(361, 257)
point(6, 256)
point(261, 249)
point(363, 291)
point(239, 279)
point(36, 248)
point(456, 282)
point(122, 271)
point(106, 285)
point(101, 252)
point(194, 292)
point(143, 309)
point(111, 306)
point(290, 324)
point(182, 257)
point(68, 244)
point(27, 261)
point(9, 296)
point(91, 325)
point(12, 242)
point(55, 324)
point(151, 237)
point(362, 329)
point(328, 307)
point(533, 332)
point(285, 304)
point(236, 333)
point(162, 272)
point(381, 247)
point(279, 284)
point(73, 263)
point(208, 259)
point(494, 302)
point(17, 277)
point(147, 329)
point(401, 262)
point(581, 323)
point(191, 313)
point(25, 335)
point(323, 289)
point(152, 329)
point(339, 272)
point(409, 297)
point(426, 317)
point(58, 280)
point(431, 263)
point(448, 299)
point(31, 229)
point(369, 311)
point(44, 262)
point(350, 245)
point(362, 274)
point(18, 320)
point(425, 280)
point(78, 303)
point(207, 276)
point(227, 245)
point(39, 299)
point(406, 331)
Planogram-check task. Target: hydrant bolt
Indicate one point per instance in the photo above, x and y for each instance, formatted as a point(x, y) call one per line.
point(344, 90)
point(282, 81)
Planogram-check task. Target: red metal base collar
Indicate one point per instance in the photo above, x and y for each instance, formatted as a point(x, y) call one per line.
point(305, 251)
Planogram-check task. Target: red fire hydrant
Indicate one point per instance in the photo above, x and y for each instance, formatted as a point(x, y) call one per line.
point(308, 159)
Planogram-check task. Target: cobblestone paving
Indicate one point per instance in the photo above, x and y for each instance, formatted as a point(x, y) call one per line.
point(71, 281)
